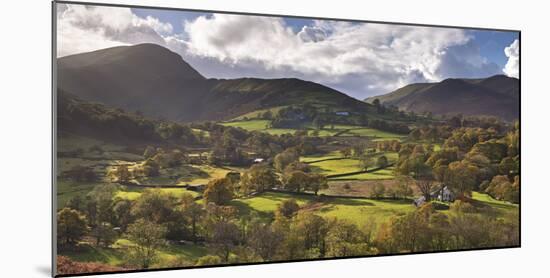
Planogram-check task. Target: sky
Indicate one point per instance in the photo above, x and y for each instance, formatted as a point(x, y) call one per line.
point(359, 59)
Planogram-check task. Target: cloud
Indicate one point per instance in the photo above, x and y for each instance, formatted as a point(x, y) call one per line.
point(512, 66)
point(86, 28)
point(360, 59)
point(377, 58)
point(312, 34)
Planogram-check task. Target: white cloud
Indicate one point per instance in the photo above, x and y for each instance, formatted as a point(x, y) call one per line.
point(85, 28)
point(312, 34)
point(157, 25)
point(360, 59)
point(384, 57)
point(512, 66)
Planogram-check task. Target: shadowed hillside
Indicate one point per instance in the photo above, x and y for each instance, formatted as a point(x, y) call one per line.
point(496, 96)
point(159, 83)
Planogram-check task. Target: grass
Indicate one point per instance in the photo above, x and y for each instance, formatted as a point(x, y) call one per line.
point(133, 194)
point(340, 166)
point(359, 211)
point(259, 125)
point(310, 158)
point(262, 125)
point(67, 190)
point(384, 174)
point(211, 172)
point(347, 165)
point(256, 114)
point(377, 134)
point(115, 254)
point(250, 125)
point(487, 199)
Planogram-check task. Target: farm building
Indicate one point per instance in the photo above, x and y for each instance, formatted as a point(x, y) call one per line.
point(342, 113)
point(443, 194)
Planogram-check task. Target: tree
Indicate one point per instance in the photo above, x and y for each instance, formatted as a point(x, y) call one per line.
point(382, 161)
point(502, 188)
point(285, 158)
point(264, 240)
point(410, 232)
point(316, 182)
point(193, 212)
point(366, 162)
point(102, 197)
point(288, 208)
point(219, 191)
point(346, 152)
point(377, 191)
point(147, 238)
point(423, 175)
point(160, 208)
point(149, 168)
point(318, 123)
point(104, 234)
point(296, 181)
point(268, 115)
point(71, 226)
point(149, 152)
point(313, 229)
point(462, 177)
point(258, 178)
point(403, 188)
point(345, 239)
point(122, 213)
point(80, 174)
point(224, 237)
point(120, 174)
point(358, 150)
point(508, 167)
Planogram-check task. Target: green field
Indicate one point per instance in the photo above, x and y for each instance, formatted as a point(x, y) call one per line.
point(259, 125)
point(116, 253)
point(67, 190)
point(335, 164)
point(383, 174)
point(376, 134)
point(355, 210)
point(358, 210)
point(310, 158)
point(334, 167)
point(262, 125)
point(132, 194)
point(258, 113)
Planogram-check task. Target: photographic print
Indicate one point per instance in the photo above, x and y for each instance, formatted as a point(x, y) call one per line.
point(188, 138)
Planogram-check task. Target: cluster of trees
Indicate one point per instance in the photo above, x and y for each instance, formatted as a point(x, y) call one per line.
point(155, 160)
point(296, 116)
point(465, 227)
point(388, 145)
point(296, 177)
point(79, 116)
point(236, 146)
point(149, 222)
point(471, 158)
point(292, 234)
point(430, 133)
point(395, 127)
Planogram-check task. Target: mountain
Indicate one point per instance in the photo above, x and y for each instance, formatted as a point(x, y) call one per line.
point(495, 96)
point(159, 83)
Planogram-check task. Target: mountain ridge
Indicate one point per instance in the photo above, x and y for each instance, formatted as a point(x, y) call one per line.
point(158, 82)
point(497, 95)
